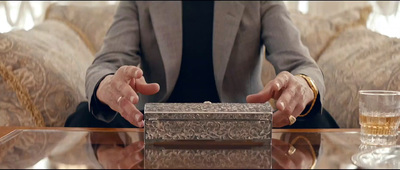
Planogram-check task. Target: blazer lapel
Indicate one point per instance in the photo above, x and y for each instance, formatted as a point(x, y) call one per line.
point(227, 17)
point(166, 18)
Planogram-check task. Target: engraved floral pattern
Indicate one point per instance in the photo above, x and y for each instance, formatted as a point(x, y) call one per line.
point(207, 107)
point(207, 130)
point(256, 158)
point(202, 121)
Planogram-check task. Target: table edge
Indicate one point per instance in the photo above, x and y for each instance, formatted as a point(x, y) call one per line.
point(13, 128)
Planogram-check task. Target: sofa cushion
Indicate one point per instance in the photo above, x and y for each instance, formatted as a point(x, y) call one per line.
point(90, 22)
point(49, 63)
point(358, 59)
point(317, 32)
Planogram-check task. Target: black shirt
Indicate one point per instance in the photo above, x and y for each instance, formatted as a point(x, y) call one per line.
point(196, 82)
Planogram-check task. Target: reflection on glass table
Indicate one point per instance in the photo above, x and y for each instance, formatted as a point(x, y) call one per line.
point(125, 149)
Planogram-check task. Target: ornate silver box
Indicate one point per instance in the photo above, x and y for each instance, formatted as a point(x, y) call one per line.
point(207, 121)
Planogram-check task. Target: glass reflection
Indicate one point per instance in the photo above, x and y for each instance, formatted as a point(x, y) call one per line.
point(117, 150)
point(126, 150)
point(295, 151)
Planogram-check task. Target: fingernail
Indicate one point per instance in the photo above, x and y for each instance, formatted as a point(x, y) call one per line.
point(283, 105)
point(136, 72)
point(137, 116)
point(278, 85)
point(131, 98)
point(141, 124)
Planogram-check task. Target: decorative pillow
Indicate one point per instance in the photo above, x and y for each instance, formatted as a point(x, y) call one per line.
point(316, 32)
point(350, 18)
point(90, 22)
point(42, 75)
point(358, 59)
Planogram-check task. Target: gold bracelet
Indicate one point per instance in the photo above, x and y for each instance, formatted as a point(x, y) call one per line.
point(314, 88)
point(311, 149)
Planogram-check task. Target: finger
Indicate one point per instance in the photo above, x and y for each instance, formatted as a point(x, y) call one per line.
point(112, 100)
point(265, 94)
point(131, 113)
point(288, 100)
point(135, 147)
point(282, 158)
point(126, 73)
point(141, 86)
point(123, 89)
point(280, 82)
point(280, 119)
point(272, 89)
point(276, 95)
point(132, 160)
point(298, 110)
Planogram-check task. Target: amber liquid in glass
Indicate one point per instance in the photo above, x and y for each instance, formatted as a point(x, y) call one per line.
point(379, 130)
point(375, 125)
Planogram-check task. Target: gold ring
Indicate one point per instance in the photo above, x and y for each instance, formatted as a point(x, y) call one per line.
point(119, 99)
point(291, 150)
point(292, 119)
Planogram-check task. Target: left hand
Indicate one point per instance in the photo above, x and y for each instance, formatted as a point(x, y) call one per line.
point(291, 93)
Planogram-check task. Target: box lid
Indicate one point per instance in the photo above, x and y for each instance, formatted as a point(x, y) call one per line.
point(207, 110)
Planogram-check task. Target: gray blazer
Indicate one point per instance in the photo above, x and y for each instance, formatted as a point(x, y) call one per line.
point(149, 33)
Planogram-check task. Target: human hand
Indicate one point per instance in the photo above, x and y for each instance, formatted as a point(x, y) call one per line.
point(291, 93)
point(286, 156)
point(119, 92)
point(116, 157)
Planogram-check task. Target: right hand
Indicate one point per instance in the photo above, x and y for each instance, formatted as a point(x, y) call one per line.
point(300, 159)
point(116, 157)
point(126, 83)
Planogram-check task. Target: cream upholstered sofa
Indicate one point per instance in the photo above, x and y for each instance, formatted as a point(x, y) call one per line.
point(42, 70)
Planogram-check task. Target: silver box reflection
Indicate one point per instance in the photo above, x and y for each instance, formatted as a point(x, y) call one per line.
point(208, 157)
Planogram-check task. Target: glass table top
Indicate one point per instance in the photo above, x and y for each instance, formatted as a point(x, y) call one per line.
point(62, 149)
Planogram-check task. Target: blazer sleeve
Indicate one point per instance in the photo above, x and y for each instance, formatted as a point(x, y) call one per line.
point(121, 47)
point(284, 48)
